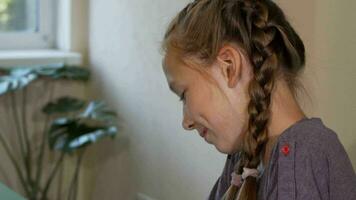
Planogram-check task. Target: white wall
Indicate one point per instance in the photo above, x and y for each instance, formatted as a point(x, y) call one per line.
point(157, 157)
point(153, 154)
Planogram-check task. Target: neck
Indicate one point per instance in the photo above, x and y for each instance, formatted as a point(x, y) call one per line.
point(285, 111)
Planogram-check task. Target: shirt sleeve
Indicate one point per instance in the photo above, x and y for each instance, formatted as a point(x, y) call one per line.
point(342, 176)
point(322, 170)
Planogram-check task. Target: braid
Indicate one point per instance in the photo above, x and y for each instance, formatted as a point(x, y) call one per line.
point(264, 59)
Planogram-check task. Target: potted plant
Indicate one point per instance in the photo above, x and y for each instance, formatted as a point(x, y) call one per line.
point(70, 124)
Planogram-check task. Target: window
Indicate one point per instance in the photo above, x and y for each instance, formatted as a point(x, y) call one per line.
point(27, 24)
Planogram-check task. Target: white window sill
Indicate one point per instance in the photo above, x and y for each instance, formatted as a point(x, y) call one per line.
point(9, 58)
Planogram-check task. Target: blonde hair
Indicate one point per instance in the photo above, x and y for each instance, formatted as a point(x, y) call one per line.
point(260, 28)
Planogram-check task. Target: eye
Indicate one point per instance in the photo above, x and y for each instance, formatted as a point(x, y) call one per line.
point(182, 96)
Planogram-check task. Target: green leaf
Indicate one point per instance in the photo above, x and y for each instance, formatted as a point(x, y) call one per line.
point(63, 105)
point(92, 137)
point(70, 134)
point(98, 110)
point(12, 79)
point(95, 123)
point(16, 78)
point(48, 70)
point(64, 72)
point(59, 132)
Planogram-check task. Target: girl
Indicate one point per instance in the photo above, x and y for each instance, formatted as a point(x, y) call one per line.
point(235, 64)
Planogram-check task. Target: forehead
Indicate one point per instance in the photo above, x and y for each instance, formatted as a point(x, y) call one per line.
point(174, 71)
point(170, 63)
point(180, 71)
point(174, 65)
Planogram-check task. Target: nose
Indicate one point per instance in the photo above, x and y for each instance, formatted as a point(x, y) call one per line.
point(187, 123)
point(188, 126)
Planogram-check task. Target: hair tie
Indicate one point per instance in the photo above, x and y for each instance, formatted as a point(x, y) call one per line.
point(237, 179)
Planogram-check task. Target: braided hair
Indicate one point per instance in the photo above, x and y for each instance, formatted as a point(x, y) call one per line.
point(260, 28)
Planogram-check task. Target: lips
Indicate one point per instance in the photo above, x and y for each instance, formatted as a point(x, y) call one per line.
point(203, 132)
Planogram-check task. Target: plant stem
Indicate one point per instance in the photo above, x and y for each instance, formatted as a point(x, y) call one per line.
point(60, 182)
point(74, 183)
point(43, 141)
point(14, 162)
point(51, 176)
point(17, 124)
point(21, 136)
point(27, 140)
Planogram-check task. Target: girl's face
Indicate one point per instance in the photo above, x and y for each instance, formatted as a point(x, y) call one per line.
point(214, 98)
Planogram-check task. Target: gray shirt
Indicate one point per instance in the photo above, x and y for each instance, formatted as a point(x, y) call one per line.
point(315, 167)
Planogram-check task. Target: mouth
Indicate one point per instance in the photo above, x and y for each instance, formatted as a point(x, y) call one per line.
point(203, 133)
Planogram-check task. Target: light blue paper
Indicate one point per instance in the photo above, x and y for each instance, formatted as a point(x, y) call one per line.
point(6, 193)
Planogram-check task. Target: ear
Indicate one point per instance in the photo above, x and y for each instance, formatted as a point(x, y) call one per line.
point(230, 64)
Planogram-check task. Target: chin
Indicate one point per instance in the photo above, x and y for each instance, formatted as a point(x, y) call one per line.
point(223, 149)
point(226, 149)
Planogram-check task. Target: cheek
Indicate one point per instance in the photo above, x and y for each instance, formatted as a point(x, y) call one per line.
point(229, 123)
point(222, 112)
point(199, 103)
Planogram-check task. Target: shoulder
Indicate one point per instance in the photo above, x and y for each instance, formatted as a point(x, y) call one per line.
point(310, 137)
point(317, 161)
point(312, 143)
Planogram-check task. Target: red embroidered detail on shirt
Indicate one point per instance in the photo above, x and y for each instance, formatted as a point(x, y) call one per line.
point(285, 149)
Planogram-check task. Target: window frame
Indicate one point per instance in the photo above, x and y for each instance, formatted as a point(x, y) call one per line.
point(43, 39)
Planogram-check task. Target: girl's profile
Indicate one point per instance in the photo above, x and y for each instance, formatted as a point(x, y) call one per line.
point(235, 65)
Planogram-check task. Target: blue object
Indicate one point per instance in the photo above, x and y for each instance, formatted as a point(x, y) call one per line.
point(6, 193)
